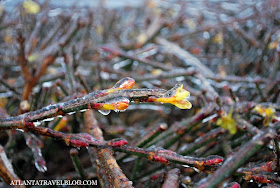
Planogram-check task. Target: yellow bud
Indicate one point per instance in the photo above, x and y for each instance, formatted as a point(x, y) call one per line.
point(179, 99)
point(31, 7)
point(227, 122)
point(267, 113)
point(33, 57)
point(3, 102)
point(218, 38)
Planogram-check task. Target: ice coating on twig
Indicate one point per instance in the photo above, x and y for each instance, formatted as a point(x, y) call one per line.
point(116, 98)
point(177, 96)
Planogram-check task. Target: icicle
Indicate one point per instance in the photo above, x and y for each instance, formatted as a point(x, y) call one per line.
point(104, 112)
point(40, 167)
point(35, 145)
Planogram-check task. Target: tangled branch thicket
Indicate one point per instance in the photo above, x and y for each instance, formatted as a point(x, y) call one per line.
point(65, 71)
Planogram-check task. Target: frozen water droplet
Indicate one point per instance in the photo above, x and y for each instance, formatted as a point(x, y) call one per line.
point(196, 169)
point(49, 119)
point(47, 84)
point(37, 123)
point(20, 130)
point(104, 112)
point(70, 113)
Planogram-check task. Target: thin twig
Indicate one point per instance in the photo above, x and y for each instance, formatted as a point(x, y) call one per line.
point(239, 158)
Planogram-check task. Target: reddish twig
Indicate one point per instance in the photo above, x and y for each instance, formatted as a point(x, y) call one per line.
point(117, 99)
point(166, 156)
point(123, 54)
point(238, 159)
point(112, 170)
point(6, 169)
point(76, 140)
point(172, 178)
